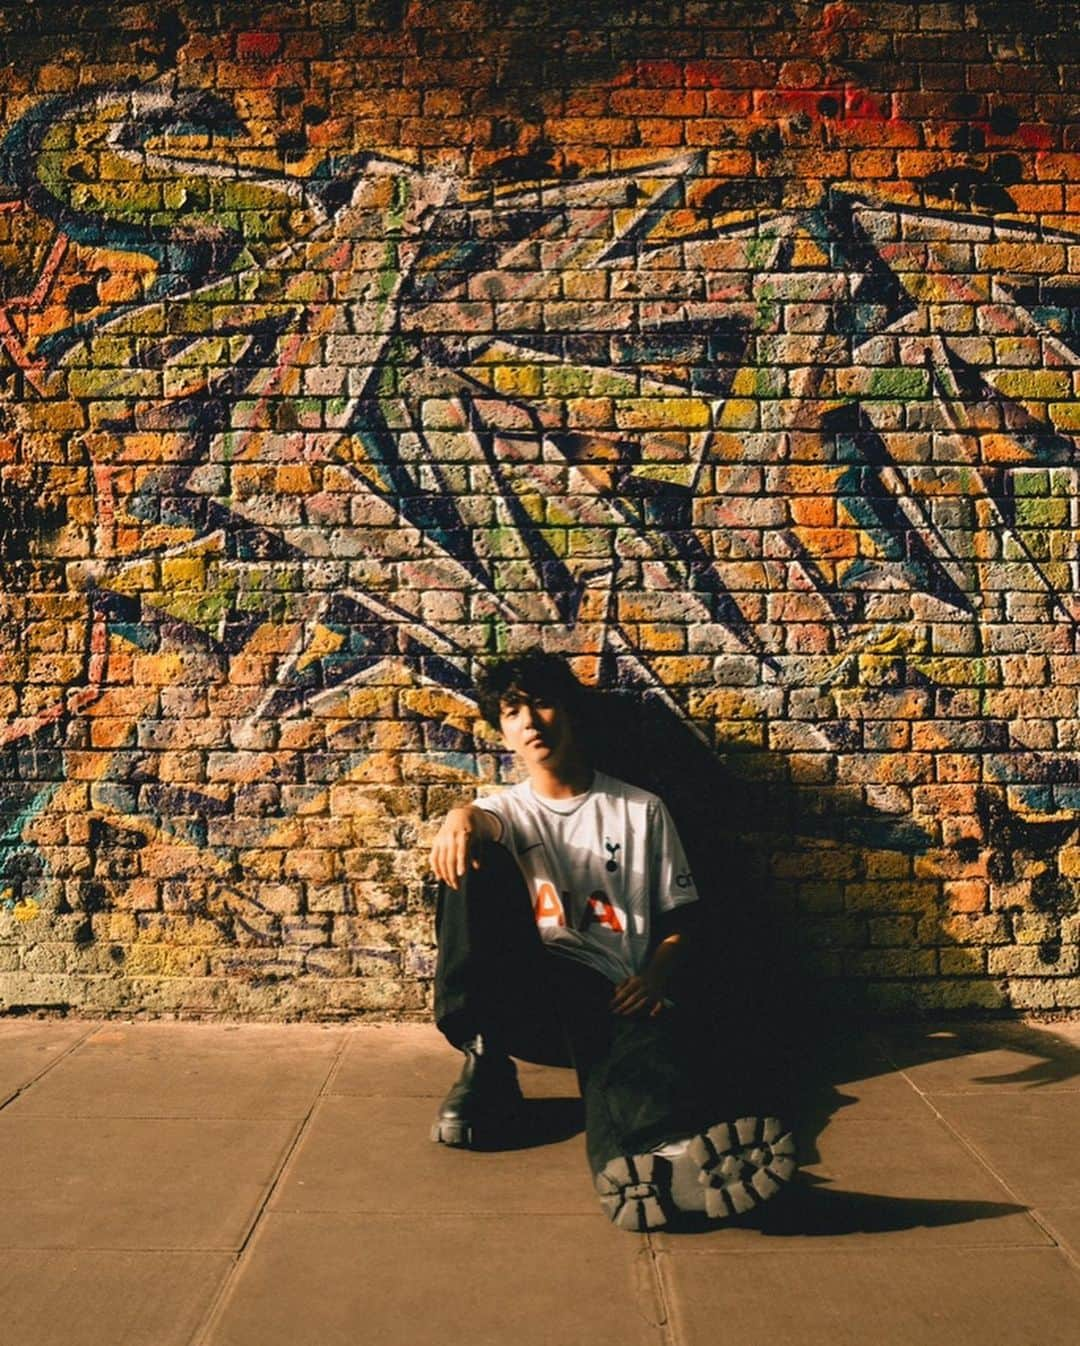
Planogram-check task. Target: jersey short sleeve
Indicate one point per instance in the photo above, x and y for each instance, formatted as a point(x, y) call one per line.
point(598, 866)
point(670, 878)
point(497, 806)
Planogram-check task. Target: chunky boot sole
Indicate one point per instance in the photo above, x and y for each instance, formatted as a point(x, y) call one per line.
point(743, 1163)
point(635, 1190)
point(725, 1171)
point(459, 1134)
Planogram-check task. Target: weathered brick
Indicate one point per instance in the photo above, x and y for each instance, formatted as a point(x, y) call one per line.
point(268, 487)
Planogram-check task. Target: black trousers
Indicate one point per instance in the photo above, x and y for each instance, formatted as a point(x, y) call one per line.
point(643, 1079)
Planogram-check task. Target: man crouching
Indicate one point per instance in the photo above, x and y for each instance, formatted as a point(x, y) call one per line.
point(565, 906)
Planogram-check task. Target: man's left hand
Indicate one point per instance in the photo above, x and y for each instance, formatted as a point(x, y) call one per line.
point(637, 995)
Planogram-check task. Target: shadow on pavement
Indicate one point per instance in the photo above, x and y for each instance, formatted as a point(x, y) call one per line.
point(808, 1211)
point(773, 1040)
point(541, 1121)
point(911, 1045)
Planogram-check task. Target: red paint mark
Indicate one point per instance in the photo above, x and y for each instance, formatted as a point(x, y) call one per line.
point(840, 15)
point(809, 100)
point(836, 103)
point(258, 46)
point(1035, 137)
point(12, 343)
point(861, 106)
point(37, 295)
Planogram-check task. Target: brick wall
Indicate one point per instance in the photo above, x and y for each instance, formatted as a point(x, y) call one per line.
point(730, 348)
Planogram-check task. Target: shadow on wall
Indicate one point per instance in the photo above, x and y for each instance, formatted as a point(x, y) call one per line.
point(802, 886)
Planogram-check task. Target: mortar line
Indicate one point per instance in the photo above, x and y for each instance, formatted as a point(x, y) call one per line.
point(217, 1299)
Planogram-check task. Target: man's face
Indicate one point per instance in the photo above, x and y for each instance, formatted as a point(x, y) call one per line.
point(536, 730)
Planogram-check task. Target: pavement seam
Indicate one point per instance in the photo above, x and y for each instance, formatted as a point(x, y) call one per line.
point(977, 1093)
point(60, 1116)
point(665, 1317)
point(1067, 1252)
point(213, 1312)
point(75, 1044)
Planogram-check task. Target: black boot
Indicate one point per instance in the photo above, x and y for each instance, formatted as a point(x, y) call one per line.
point(485, 1097)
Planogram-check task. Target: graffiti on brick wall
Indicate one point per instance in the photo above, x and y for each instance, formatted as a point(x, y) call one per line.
point(287, 446)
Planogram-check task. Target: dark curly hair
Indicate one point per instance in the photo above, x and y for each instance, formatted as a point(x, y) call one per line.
point(533, 672)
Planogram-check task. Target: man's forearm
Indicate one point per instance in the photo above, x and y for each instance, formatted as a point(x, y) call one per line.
point(665, 958)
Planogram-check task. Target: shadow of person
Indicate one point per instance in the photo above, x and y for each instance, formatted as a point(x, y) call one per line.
point(1054, 1059)
point(756, 1005)
point(808, 1211)
point(540, 1121)
point(772, 1036)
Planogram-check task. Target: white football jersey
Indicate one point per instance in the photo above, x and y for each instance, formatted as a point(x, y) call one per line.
point(598, 866)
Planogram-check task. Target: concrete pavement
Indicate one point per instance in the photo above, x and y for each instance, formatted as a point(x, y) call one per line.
point(176, 1184)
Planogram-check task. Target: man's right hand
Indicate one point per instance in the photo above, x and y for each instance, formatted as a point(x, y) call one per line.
point(455, 845)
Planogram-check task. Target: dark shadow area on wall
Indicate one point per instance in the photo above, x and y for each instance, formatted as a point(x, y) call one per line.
point(769, 1034)
point(758, 1002)
point(731, 825)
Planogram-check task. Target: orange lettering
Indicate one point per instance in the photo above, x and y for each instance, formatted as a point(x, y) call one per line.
point(599, 909)
point(546, 906)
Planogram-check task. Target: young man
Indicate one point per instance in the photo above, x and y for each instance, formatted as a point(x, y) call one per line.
point(564, 910)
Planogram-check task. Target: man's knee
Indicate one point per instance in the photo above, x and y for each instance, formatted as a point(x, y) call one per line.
point(492, 869)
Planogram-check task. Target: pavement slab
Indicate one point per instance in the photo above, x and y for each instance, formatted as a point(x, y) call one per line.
point(251, 1071)
point(420, 1280)
point(226, 1185)
point(1028, 1139)
point(397, 1061)
point(28, 1047)
point(989, 1297)
point(119, 1183)
point(376, 1155)
point(80, 1297)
